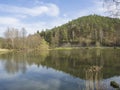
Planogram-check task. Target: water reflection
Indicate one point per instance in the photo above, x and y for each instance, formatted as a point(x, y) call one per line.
point(81, 69)
point(93, 76)
point(17, 62)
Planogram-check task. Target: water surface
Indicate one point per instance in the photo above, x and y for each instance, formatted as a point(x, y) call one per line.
point(81, 69)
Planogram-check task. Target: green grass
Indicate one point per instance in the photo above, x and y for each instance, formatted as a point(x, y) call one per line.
point(70, 48)
point(2, 51)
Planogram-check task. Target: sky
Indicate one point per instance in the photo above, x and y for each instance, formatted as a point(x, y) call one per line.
point(39, 15)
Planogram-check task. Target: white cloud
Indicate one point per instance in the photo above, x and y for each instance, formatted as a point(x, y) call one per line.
point(48, 9)
point(8, 21)
point(31, 27)
point(53, 10)
point(15, 16)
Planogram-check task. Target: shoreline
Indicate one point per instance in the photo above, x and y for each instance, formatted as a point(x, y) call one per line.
point(2, 51)
point(62, 48)
point(70, 48)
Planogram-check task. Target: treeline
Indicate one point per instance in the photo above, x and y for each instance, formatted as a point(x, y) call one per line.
point(92, 30)
point(18, 39)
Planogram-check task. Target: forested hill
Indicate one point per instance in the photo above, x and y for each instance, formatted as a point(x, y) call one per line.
point(92, 30)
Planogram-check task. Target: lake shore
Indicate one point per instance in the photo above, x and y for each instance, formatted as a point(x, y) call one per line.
point(2, 51)
point(70, 48)
point(59, 48)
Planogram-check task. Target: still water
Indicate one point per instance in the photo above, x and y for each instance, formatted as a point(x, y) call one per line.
point(80, 69)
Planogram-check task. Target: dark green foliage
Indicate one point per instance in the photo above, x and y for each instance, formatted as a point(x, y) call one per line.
point(92, 30)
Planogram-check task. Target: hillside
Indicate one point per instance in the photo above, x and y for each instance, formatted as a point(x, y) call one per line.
point(92, 30)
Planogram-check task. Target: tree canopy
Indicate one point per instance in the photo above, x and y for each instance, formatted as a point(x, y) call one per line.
point(92, 30)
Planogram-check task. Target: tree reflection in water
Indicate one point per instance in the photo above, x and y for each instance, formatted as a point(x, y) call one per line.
point(18, 62)
point(91, 65)
point(93, 73)
point(93, 77)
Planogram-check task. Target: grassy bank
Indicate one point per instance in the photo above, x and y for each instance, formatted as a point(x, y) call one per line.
point(2, 51)
point(70, 48)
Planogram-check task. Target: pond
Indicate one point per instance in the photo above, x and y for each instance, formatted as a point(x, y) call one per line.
point(77, 69)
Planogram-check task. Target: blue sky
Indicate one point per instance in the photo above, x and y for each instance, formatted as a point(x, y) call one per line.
point(44, 14)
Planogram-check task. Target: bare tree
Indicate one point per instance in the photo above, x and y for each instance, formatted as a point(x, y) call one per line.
point(23, 35)
point(23, 32)
point(11, 34)
point(112, 7)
